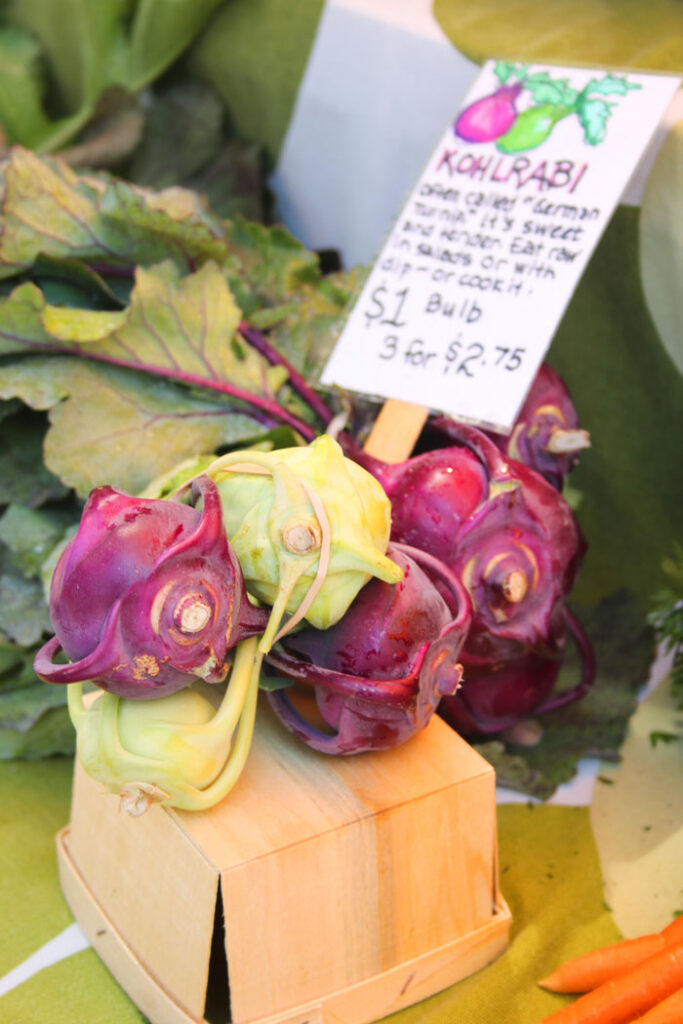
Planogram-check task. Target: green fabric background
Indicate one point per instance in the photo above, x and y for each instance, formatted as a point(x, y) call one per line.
point(630, 396)
point(550, 877)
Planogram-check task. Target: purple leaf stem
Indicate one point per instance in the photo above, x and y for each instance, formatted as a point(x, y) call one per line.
point(259, 341)
point(266, 405)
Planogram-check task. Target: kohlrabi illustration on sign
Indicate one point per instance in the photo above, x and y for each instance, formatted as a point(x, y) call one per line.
point(462, 302)
point(523, 110)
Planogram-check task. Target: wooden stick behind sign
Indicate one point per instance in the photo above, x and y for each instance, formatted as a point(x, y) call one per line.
point(396, 430)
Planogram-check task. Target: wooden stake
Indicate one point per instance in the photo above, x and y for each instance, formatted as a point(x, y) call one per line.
point(396, 430)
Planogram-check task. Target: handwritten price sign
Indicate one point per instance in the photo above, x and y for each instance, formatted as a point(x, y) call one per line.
point(467, 293)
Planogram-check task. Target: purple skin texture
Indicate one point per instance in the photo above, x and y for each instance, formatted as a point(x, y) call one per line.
point(379, 674)
point(512, 540)
point(147, 597)
point(490, 117)
point(548, 414)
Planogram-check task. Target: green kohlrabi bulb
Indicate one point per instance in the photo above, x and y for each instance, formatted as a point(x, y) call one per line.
point(178, 750)
point(309, 527)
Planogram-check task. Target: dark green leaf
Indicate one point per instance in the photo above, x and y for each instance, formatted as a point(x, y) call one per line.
point(87, 48)
point(183, 133)
point(24, 616)
point(51, 733)
point(254, 53)
point(657, 736)
point(21, 87)
point(32, 534)
point(161, 30)
point(596, 725)
point(24, 478)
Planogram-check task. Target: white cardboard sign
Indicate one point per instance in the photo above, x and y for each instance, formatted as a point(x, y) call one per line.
point(462, 302)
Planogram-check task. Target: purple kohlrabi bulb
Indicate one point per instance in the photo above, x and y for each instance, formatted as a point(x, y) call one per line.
point(518, 557)
point(546, 434)
point(147, 596)
point(379, 673)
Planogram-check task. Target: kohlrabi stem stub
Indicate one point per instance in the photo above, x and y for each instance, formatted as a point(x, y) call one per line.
point(466, 295)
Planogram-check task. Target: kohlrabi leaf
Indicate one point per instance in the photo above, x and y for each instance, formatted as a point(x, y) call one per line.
point(23, 612)
point(661, 244)
point(31, 534)
point(87, 48)
point(308, 329)
point(588, 32)
point(24, 478)
point(51, 734)
point(178, 327)
point(183, 132)
point(22, 85)
point(596, 725)
point(271, 265)
point(34, 721)
point(116, 426)
point(181, 327)
point(67, 282)
point(160, 31)
point(593, 115)
point(49, 210)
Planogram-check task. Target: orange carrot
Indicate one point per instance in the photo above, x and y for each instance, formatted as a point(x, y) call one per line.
point(674, 931)
point(669, 1011)
point(621, 999)
point(584, 973)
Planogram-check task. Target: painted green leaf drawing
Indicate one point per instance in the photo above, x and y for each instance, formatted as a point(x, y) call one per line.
point(661, 244)
point(589, 32)
point(610, 85)
point(593, 115)
point(545, 89)
point(504, 71)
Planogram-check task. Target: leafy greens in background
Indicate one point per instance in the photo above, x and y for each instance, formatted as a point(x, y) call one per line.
point(64, 55)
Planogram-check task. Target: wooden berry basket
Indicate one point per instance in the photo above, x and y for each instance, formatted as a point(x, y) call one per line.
point(350, 887)
point(322, 890)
